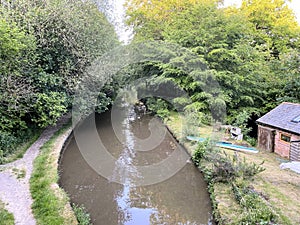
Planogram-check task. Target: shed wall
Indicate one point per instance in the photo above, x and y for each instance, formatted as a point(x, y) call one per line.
point(282, 148)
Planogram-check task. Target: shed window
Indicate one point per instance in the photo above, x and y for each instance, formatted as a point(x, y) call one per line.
point(285, 138)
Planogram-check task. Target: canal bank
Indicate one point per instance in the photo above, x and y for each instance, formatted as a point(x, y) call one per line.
point(50, 203)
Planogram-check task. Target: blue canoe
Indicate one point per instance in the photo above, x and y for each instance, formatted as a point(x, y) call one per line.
point(226, 145)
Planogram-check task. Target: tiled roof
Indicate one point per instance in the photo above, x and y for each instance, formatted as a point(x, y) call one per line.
point(282, 116)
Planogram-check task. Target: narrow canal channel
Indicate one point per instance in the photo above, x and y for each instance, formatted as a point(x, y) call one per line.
point(181, 199)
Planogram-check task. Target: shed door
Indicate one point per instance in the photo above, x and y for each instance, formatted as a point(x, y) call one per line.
point(295, 151)
point(266, 138)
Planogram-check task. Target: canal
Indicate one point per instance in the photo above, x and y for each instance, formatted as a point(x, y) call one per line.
point(178, 199)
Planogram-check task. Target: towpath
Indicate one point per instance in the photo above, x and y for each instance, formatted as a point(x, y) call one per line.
point(14, 185)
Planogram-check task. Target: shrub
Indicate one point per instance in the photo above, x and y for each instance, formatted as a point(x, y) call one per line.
point(223, 167)
point(7, 143)
point(199, 153)
point(256, 211)
point(158, 106)
point(251, 141)
point(227, 168)
point(82, 216)
point(13, 146)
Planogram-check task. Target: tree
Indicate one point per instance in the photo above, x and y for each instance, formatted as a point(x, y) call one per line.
point(45, 48)
point(16, 49)
point(150, 18)
point(276, 24)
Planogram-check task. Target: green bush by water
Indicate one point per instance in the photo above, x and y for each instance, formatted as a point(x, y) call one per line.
point(223, 167)
point(82, 216)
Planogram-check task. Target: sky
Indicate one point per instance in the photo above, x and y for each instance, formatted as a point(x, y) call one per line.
point(295, 5)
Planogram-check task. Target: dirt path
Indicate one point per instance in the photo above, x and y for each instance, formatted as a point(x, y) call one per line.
point(14, 184)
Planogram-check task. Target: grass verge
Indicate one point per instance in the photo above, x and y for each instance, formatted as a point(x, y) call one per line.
point(6, 218)
point(50, 203)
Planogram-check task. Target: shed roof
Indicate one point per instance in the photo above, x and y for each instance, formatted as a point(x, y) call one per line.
point(282, 116)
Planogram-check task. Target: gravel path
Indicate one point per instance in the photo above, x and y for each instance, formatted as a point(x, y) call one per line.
point(14, 191)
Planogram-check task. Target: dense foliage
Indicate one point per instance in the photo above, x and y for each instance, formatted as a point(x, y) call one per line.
point(45, 47)
point(251, 51)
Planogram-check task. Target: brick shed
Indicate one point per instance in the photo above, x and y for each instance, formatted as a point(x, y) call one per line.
point(279, 131)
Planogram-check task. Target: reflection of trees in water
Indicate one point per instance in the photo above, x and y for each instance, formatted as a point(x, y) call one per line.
point(182, 199)
point(174, 202)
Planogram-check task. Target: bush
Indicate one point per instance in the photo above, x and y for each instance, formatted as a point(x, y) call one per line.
point(251, 141)
point(223, 167)
point(199, 153)
point(227, 168)
point(256, 211)
point(158, 106)
point(14, 146)
point(82, 216)
point(7, 143)
point(192, 122)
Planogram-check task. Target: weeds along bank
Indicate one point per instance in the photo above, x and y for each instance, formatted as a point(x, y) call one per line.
point(241, 186)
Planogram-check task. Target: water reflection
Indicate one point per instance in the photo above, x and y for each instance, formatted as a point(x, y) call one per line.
point(182, 199)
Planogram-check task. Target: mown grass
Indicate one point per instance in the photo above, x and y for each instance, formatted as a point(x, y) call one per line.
point(278, 188)
point(49, 201)
point(6, 218)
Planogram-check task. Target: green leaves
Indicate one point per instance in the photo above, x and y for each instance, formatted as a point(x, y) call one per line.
point(48, 108)
point(275, 24)
point(45, 47)
point(252, 53)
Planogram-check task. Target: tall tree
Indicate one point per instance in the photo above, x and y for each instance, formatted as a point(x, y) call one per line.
point(149, 18)
point(45, 48)
point(276, 24)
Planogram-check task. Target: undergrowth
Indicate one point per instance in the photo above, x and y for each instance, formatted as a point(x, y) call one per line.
point(255, 207)
point(217, 166)
point(13, 147)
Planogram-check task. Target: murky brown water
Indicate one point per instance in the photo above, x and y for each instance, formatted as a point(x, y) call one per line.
point(181, 199)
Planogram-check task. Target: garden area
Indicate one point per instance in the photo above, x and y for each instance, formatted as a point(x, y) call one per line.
point(243, 187)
